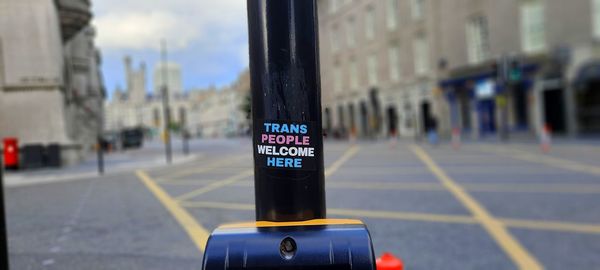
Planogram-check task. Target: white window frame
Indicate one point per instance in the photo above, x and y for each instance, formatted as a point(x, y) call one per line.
point(392, 14)
point(532, 14)
point(394, 63)
point(372, 70)
point(417, 9)
point(478, 39)
point(333, 38)
point(354, 75)
point(370, 23)
point(421, 55)
point(596, 18)
point(337, 79)
point(350, 32)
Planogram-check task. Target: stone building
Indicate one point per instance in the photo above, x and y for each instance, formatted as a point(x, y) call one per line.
point(482, 67)
point(379, 66)
point(202, 112)
point(51, 89)
point(548, 52)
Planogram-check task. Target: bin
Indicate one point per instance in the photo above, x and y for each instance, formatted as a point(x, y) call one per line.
point(33, 156)
point(11, 153)
point(53, 158)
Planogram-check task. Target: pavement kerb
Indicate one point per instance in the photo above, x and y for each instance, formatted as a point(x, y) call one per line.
point(12, 181)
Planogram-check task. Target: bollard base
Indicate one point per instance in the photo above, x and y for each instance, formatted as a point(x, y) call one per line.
point(313, 244)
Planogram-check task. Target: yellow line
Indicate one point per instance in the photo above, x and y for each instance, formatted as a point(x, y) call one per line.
point(209, 167)
point(546, 160)
point(552, 226)
point(343, 159)
point(349, 213)
point(197, 233)
point(437, 218)
point(495, 228)
point(215, 185)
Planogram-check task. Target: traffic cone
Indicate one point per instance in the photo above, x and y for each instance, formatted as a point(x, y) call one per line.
point(546, 139)
point(387, 261)
point(393, 139)
point(456, 140)
point(353, 135)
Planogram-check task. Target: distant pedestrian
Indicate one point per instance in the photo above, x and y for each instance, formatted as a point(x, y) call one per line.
point(432, 131)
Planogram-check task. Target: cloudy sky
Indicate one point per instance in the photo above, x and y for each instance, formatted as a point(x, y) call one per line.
point(208, 38)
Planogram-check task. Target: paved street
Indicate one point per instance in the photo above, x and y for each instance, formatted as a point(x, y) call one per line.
point(485, 206)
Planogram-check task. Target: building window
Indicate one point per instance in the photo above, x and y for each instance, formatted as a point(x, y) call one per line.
point(478, 44)
point(533, 33)
point(354, 74)
point(333, 6)
point(421, 54)
point(394, 61)
point(596, 18)
point(337, 79)
point(370, 23)
point(418, 9)
point(372, 70)
point(392, 14)
point(350, 35)
point(335, 46)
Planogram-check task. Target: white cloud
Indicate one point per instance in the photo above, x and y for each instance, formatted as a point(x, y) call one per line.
point(143, 31)
point(140, 24)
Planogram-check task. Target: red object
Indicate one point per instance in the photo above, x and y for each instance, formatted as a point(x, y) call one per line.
point(387, 261)
point(11, 152)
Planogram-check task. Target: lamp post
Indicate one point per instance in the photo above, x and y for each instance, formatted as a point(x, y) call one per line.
point(165, 101)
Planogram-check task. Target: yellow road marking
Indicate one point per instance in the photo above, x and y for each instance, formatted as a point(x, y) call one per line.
point(343, 159)
point(209, 167)
point(349, 213)
point(312, 222)
point(215, 185)
point(520, 256)
point(197, 233)
point(188, 182)
point(552, 226)
point(421, 186)
point(546, 160)
point(437, 218)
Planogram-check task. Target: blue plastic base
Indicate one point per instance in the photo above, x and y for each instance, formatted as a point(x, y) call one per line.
point(316, 247)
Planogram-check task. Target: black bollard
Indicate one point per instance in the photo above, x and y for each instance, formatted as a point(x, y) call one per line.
point(100, 155)
point(291, 230)
point(3, 233)
point(286, 107)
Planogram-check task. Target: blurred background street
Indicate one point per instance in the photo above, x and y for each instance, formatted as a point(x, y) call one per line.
point(464, 133)
point(403, 192)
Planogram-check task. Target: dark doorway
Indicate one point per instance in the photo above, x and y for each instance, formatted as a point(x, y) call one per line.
point(487, 116)
point(520, 106)
point(554, 110)
point(364, 118)
point(342, 121)
point(327, 121)
point(425, 116)
point(392, 117)
point(352, 118)
point(464, 101)
point(588, 103)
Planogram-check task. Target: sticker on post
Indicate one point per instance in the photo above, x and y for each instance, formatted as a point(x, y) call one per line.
point(283, 145)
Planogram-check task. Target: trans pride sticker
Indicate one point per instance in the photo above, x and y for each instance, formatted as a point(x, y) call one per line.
point(282, 145)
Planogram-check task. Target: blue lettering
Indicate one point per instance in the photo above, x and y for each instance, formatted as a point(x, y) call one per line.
point(270, 161)
point(285, 129)
point(297, 163)
point(275, 128)
point(294, 129)
point(267, 126)
point(303, 129)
